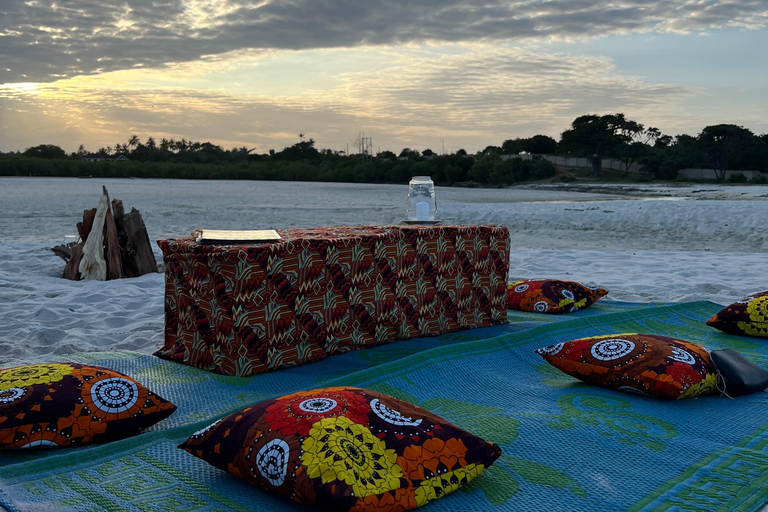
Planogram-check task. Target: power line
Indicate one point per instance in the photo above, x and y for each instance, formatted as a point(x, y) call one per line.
point(365, 145)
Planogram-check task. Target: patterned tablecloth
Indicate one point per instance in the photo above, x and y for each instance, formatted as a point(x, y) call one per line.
point(248, 309)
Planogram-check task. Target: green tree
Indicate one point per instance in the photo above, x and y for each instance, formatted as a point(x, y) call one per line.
point(133, 142)
point(386, 155)
point(537, 145)
point(541, 145)
point(596, 136)
point(303, 150)
point(49, 151)
point(409, 153)
point(491, 151)
point(725, 143)
point(513, 146)
point(481, 170)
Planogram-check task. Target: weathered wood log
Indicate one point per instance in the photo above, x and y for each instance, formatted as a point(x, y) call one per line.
point(118, 212)
point(111, 244)
point(139, 258)
point(62, 251)
point(84, 228)
point(71, 270)
point(93, 265)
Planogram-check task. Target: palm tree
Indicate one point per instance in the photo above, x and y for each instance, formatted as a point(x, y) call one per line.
point(133, 141)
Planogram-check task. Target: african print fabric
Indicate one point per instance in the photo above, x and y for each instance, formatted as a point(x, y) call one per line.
point(69, 404)
point(248, 309)
point(749, 317)
point(344, 449)
point(656, 366)
point(551, 296)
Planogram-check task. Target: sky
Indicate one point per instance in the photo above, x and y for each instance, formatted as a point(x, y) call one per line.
point(437, 74)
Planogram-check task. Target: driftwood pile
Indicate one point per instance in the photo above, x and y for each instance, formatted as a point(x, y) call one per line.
point(112, 244)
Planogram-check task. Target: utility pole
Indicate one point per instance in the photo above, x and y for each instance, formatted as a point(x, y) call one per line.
point(366, 146)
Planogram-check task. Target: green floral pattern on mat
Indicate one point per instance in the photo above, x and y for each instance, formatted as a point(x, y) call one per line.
point(500, 482)
point(614, 416)
point(557, 379)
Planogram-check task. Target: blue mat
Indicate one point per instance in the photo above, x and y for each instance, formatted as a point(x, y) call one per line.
point(567, 446)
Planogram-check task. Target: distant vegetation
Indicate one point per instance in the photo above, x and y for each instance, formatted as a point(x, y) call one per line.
point(720, 147)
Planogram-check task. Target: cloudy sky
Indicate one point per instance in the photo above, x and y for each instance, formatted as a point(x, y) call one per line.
point(409, 73)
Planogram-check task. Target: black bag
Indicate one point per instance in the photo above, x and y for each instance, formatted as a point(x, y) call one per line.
point(741, 377)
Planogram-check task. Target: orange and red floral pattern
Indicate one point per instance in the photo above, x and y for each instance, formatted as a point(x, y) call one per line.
point(650, 365)
point(749, 317)
point(69, 404)
point(344, 449)
point(296, 413)
point(551, 296)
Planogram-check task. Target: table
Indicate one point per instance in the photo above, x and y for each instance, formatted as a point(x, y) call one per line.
point(247, 309)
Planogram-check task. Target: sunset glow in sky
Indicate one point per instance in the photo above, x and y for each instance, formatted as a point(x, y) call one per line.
point(410, 73)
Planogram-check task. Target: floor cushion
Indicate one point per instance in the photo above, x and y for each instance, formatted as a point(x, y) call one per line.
point(551, 296)
point(747, 317)
point(344, 449)
point(69, 404)
point(651, 365)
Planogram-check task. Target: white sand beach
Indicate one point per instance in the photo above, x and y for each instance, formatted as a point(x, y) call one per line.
point(644, 243)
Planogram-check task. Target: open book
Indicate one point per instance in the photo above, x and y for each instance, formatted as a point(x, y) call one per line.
point(218, 236)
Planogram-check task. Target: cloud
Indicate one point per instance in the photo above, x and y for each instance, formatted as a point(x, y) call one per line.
point(45, 40)
point(467, 95)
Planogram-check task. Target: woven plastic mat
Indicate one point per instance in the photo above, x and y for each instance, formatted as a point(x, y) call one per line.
point(567, 446)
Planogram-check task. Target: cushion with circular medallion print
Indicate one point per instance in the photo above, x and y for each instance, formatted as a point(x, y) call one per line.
point(69, 404)
point(650, 365)
point(344, 449)
point(551, 296)
point(749, 317)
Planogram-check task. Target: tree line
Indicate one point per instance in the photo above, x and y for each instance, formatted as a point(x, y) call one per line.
point(721, 147)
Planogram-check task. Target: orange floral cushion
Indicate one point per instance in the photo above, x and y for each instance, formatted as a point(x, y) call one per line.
point(749, 317)
point(551, 296)
point(640, 363)
point(344, 449)
point(69, 404)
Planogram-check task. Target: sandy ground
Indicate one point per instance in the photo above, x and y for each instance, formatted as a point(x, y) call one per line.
point(642, 242)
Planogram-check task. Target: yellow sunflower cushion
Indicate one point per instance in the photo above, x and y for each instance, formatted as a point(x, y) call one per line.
point(344, 449)
point(749, 317)
point(69, 404)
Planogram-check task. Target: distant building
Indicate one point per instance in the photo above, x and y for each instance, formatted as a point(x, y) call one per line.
point(103, 157)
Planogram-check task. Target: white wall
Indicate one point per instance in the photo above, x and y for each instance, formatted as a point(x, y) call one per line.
point(711, 174)
point(606, 163)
